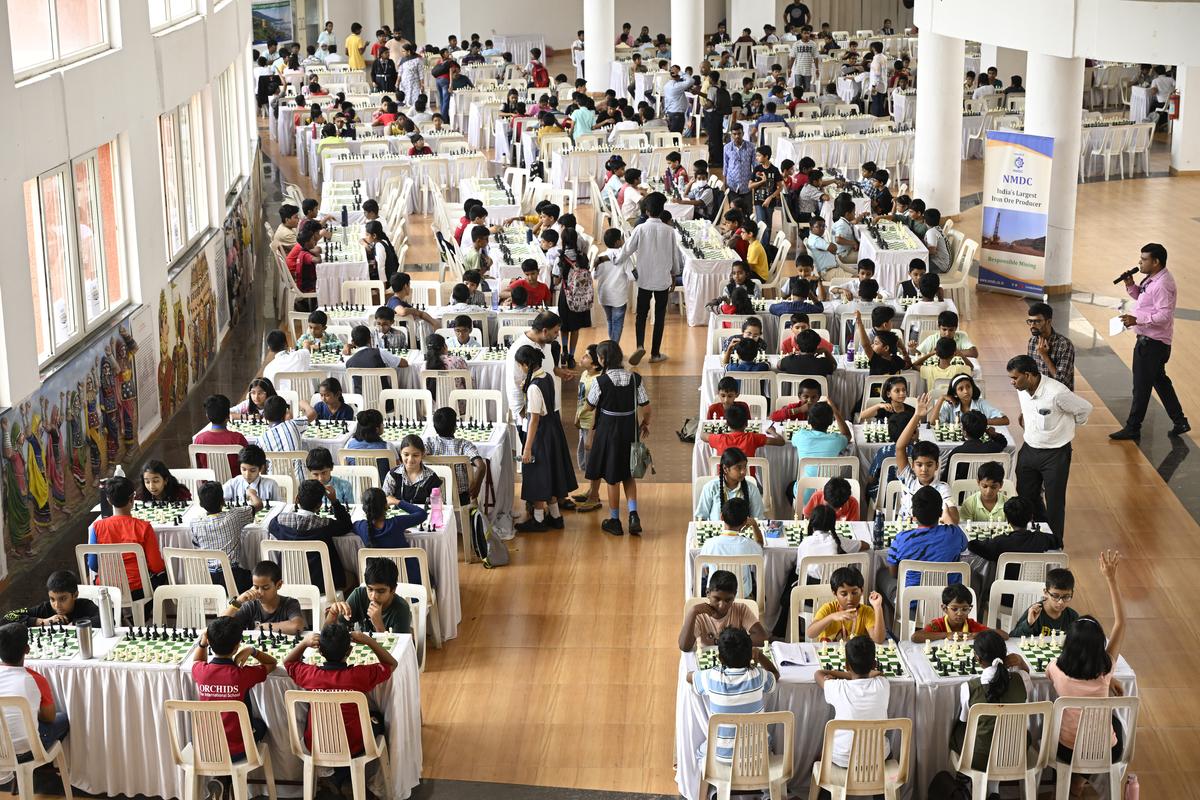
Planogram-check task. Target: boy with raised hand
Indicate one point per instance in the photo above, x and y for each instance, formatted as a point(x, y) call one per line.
point(319, 464)
point(221, 529)
point(955, 620)
point(251, 463)
point(845, 617)
point(17, 680)
point(704, 622)
point(1053, 613)
point(334, 643)
point(227, 677)
point(375, 603)
point(262, 606)
point(63, 606)
point(860, 692)
point(921, 469)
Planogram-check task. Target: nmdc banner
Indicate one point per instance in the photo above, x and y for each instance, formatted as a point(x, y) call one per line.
point(1016, 194)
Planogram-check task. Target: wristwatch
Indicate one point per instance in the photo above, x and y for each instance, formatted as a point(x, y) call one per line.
point(235, 603)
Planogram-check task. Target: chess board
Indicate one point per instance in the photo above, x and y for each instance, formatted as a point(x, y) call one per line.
point(153, 646)
point(793, 425)
point(327, 358)
point(492, 354)
point(707, 658)
point(875, 433)
point(947, 432)
point(346, 311)
point(160, 512)
point(905, 302)
point(395, 429)
point(985, 530)
point(54, 643)
point(1039, 651)
point(832, 655)
point(793, 531)
point(327, 430)
point(474, 432)
point(952, 659)
point(250, 428)
point(861, 361)
point(721, 426)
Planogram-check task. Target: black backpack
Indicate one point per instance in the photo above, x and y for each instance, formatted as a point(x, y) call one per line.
point(391, 264)
point(946, 786)
point(723, 102)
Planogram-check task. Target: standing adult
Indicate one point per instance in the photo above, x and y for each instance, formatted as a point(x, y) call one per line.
point(1053, 353)
point(355, 45)
point(326, 38)
point(542, 334)
point(717, 105)
point(658, 262)
point(739, 161)
point(877, 85)
point(804, 61)
point(675, 101)
point(412, 74)
point(1049, 413)
point(616, 395)
point(1153, 320)
point(441, 74)
point(797, 15)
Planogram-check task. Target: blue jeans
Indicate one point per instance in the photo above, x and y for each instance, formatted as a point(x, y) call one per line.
point(443, 87)
point(763, 215)
point(616, 321)
point(49, 733)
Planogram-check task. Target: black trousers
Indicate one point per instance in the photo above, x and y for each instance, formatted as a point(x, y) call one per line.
point(714, 130)
point(660, 317)
point(675, 121)
point(1150, 358)
point(1045, 471)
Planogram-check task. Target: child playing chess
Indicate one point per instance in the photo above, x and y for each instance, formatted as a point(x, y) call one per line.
point(704, 622)
point(260, 390)
point(378, 530)
point(319, 464)
point(318, 334)
point(1005, 679)
point(727, 396)
point(735, 513)
point(331, 406)
point(922, 468)
point(17, 680)
point(63, 606)
point(465, 332)
point(251, 463)
point(375, 603)
point(262, 606)
point(221, 529)
point(893, 396)
point(838, 496)
point(941, 362)
point(216, 408)
point(745, 676)
point(748, 442)
point(752, 331)
point(124, 528)
point(978, 439)
point(284, 433)
point(445, 442)
point(227, 676)
point(747, 351)
point(955, 621)
point(947, 327)
point(886, 355)
point(797, 324)
point(859, 692)
point(731, 482)
point(334, 643)
point(987, 504)
point(845, 617)
point(810, 395)
point(930, 540)
point(159, 485)
point(1053, 613)
point(304, 524)
point(411, 481)
point(1018, 513)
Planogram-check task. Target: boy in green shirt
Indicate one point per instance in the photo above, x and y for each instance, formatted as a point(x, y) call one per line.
point(376, 603)
point(1053, 613)
point(986, 505)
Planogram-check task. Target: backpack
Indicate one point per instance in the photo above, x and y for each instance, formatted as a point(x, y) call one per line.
point(723, 102)
point(391, 264)
point(539, 76)
point(687, 433)
point(488, 547)
point(950, 787)
point(578, 289)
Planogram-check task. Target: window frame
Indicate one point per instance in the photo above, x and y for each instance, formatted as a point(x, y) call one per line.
point(192, 184)
point(170, 21)
point(75, 283)
point(58, 60)
point(232, 119)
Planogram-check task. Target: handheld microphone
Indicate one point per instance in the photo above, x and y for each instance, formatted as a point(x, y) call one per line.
point(1129, 273)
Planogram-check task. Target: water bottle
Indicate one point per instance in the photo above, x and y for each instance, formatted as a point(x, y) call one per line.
point(495, 300)
point(849, 353)
point(435, 513)
point(1132, 791)
point(878, 537)
point(106, 616)
point(83, 629)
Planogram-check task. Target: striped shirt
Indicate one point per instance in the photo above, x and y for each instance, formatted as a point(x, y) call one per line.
point(732, 691)
point(222, 532)
point(267, 489)
point(285, 435)
point(454, 446)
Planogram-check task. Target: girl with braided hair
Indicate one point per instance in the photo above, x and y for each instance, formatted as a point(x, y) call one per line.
point(731, 481)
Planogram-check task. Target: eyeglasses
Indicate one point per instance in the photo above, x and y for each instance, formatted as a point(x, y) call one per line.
point(1062, 598)
point(1034, 321)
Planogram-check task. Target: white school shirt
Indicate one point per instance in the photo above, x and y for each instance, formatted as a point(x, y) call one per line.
point(983, 91)
point(514, 378)
point(1051, 414)
point(17, 682)
point(287, 361)
point(859, 699)
point(613, 280)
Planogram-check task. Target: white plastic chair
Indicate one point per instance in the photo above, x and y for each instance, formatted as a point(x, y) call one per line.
point(840, 466)
point(286, 484)
point(408, 403)
point(304, 383)
point(972, 462)
point(1092, 754)
point(401, 556)
point(934, 573)
point(869, 771)
point(293, 558)
point(917, 605)
point(805, 485)
point(309, 597)
point(961, 488)
point(1009, 758)
point(446, 381)
point(757, 404)
point(1024, 593)
point(110, 563)
point(192, 478)
point(216, 458)
point(753, 766)
point(1032, 566)
point(192, 604)
point(369, 383)
point(365, 293)
point(760, 468)
point(418, 602)
point(361, 477)
point(330, 747)
point(19, 706)
point(786, 384)
point(826, 565)
point(738, 566)
point(806, 598)
point(192, 567)
point(477, 404)
point(207, 754)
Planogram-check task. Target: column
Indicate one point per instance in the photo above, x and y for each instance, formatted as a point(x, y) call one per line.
point(937, 164)
point(752, 14)
point(1006, 60)
point(598, 39)
point(687, 33)
point(1051, 82)
point(1185, 131)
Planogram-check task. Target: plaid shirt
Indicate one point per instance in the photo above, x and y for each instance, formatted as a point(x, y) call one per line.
point(222, 532)
point(1062, 353)
point(454, 446)
point(738, 163)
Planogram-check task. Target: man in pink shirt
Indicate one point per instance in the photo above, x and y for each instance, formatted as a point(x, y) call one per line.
point(1153, 320)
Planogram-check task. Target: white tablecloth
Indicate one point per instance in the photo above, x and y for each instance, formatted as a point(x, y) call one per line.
point(330, 278)
point(904, 108)
point(120, 742)
point(1139, 102)
point(845, 384)
point(519, 44)
point(891, 266)
point(702, 281)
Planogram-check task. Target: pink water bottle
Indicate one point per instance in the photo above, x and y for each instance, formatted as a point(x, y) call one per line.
point(1132, 792)
point(435, 504)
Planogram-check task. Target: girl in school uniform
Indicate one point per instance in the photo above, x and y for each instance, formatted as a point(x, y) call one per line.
point(617, 395)
point(1004, 679)
point(378, 530)
point(412, 481)
point(332, 405)
point(547, 472)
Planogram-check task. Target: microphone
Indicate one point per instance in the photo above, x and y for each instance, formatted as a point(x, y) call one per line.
point(1129, 273)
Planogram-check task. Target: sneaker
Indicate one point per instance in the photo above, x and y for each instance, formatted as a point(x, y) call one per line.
point(568, 361)
point(637, 356)
point(635, 523)
point(612, 526)
point(587, 505)
point(658, 358)
point(1180, 429)
point(1126, 434)
point(531, 525)
point(555, 522)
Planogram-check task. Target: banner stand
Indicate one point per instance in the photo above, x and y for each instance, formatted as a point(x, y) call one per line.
point(1016, 198)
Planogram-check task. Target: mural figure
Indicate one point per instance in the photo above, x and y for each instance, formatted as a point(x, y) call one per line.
point(124, 351)
point(179, 356)
point(75, 436)
point(108, 407)
point(95, 427)
point(166, 368)
point(35, 467)
point(55, 468)
point(16, 491)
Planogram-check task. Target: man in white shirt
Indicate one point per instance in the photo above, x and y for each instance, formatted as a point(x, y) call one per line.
point(1049, 414)
point(659, 260)
point(577, 48)
point(984, 89)
point(877, 86)
point(284, 360)
point(326, 36)
point(1162, 87)
point(804, 60)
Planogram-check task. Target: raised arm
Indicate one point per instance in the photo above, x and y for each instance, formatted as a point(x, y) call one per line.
point(909, 433)
point(862, 332)
point(1108, 568)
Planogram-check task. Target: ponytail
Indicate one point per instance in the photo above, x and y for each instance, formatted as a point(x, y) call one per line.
point(824, 520)
point(731, 458)
point(991, 651)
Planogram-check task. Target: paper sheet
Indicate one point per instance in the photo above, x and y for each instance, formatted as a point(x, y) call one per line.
point(1115, 326)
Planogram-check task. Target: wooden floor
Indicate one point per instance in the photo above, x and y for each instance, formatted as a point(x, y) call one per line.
point(563, 673)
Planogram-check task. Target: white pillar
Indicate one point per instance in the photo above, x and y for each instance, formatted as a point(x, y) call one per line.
point(598, 41)
point(1185, 131)
point(1006, 60)
point(937, 164)
point(687, 33)
point(1050, 110)
point(752, 14)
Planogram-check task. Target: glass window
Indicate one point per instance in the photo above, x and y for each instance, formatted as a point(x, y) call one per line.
point(232, 120)
point(166, 125)
point(49, 33)
point(98, 221)
point(185, 180)
point(167, 12)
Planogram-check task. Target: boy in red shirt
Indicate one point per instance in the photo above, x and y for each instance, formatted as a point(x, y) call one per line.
point(810, 395)
point(216, 408)
point(727, 395)
point(124, 528)
point(536, 292)
point(955, 619)
point(334, 641)
point(227, 677)
point(837, 494)
point(799, 323)
point(737, 419)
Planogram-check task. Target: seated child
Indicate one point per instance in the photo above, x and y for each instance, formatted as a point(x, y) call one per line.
point(228, 677)
point(221, 529)
point(929, 541)
point(1005, 679)
point(251, 463)
point(837, 495)
point(845, 617)
point(730, 482)
point(922, 468)
point(303, 523)
point(1053, 613)
point(411, 481)
point(736, 516)
point(319, 464)
point(978, 439)
point(801, 297)
point(886, 355)
point(860, 692)
point(124, 528)
point(704, 622)
point(850, 289)
point(379, 530)
point(752, 331)
point(987, 505)
point(916, 271)
point(727, 395)
point(808, 359)
point(63, 606)
point(217, 409)
point(810, 395)
point(1018, 512)
point(18, 680)
point(956, 617)
point(798, 323)
point(444, 442)
point(331, 406)
point(465, 333)
point(941, 362)
point(376, 603)
point(893, 396)
point(747, 351)
point(262, 606)
point(747, 441)
point(948, 328)
point(317, 334)
point(738, 685)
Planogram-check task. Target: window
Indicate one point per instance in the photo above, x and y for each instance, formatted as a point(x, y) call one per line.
point(76, 264)
point(233, 120)
point(185, 180)
point(44, 34)
point(164, 13)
